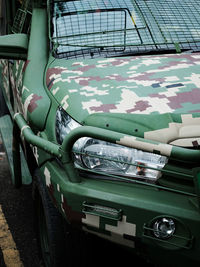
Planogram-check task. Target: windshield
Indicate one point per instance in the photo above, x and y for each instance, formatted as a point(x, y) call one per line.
point(108, 28)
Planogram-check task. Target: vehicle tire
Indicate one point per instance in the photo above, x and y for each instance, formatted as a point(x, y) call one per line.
point(17, 171)
point(59, 243)
point(49, 226)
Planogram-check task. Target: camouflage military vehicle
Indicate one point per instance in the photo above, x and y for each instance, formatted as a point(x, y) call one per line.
point(101, 100)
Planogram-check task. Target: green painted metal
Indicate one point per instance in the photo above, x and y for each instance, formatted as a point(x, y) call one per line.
point(177, 244)
point(106, 85)
point(34, 139)
point(137, 202)
point(19, 169)
point(143, 102)
point(106, 212)
point(138, 182)
point(33, 86)
point(176, 153)
point(47, 146)
point(14, 46)
point(64, 152)
point(197, 184)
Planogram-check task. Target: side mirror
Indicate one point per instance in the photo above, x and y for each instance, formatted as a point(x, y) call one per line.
point(14, 46)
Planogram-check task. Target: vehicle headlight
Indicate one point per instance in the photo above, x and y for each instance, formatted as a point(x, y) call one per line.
point(105, 157)
point(64, 124)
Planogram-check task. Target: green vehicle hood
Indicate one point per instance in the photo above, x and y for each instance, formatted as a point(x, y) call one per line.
point(147, 96)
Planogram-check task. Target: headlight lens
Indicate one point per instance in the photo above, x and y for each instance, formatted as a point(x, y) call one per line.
point(64, 124)
point(104, 157)
point(101, 156)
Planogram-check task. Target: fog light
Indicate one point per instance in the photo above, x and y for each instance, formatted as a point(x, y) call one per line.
point(164, 228)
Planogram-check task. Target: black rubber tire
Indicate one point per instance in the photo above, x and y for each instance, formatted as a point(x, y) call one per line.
point(17, 171)
point(67, 246)
point(49, 226)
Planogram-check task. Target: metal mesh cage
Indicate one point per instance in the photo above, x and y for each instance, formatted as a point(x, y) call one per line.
point(22, 17)
point(104, 35)
point(82, 28)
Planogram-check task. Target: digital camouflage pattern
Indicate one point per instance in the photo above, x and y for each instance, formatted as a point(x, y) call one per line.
point(148, 85)
point(144, 85)
point(122, 232)
point(149, 103)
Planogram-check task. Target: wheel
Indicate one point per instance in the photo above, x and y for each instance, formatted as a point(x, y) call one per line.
point(60, 244)
point(17, 173)
point(49, 226)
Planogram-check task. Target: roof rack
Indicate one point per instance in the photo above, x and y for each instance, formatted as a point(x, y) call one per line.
point(22, 16)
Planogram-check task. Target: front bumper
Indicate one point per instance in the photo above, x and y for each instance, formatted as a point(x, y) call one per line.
point(138, 206)
point(89, 203)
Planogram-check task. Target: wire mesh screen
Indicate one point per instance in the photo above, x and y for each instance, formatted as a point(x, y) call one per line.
point(109, 30)
point(19, 21)
point(111, 27)
point(22, 17)
point(172, 21)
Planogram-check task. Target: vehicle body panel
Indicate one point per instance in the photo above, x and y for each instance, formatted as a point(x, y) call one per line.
point(147, 103)
point(144, 85)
